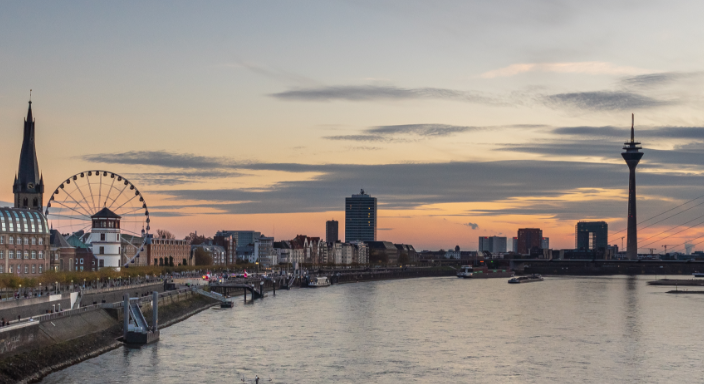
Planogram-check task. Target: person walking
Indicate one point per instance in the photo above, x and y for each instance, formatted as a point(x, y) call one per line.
point(256, 379)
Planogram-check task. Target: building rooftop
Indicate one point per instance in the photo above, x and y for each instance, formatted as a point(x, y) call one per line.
point(106, 213)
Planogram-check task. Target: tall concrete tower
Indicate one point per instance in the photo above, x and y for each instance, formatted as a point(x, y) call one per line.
point(632, 157)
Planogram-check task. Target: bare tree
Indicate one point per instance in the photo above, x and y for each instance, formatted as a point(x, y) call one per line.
point(164, 234)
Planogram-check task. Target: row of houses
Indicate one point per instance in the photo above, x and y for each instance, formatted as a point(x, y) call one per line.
point(72, 253)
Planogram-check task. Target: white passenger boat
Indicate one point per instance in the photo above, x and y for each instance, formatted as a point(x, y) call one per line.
point(465, 272)
point(698, 274)
point(317, 282)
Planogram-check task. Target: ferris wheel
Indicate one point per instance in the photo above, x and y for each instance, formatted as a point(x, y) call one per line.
point(74, 204)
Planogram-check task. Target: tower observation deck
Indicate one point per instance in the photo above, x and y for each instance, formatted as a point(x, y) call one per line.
point(632, 156)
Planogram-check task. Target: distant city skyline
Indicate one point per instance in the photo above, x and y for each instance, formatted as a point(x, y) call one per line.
point(464, 119)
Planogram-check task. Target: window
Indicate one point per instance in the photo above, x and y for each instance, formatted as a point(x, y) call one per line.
point(102, 250)
point(81, 268)
point(40, 268)
point(2, 239)
point(11, 240)
point(41, 241)
point(2, 270)
point(2, 255)
point(102, 237)
point(118, 237)
point(34, 241)
point(9, 269)
point(26, 255)
point(34, 255)
point(41, 255)
point(34, 269)
point(26, 241)
point(10, 254)
point(26, 269)
point(81, 260)
point(101, 263)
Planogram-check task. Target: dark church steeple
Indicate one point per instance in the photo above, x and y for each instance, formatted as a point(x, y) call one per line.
point(29, 183)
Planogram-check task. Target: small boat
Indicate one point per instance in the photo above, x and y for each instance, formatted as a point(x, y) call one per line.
point(317, 282)
point(698, 274)
point(465, 272)
point(526, 279)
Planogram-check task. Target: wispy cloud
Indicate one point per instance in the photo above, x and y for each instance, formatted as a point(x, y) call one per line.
point(604, 101)
point(399, 132)
point(161, 159)
point(381, 92)
point(652, 80)
point(585, 67)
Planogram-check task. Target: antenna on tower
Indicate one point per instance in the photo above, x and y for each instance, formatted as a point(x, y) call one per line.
point(633, 120)
point(30, 95)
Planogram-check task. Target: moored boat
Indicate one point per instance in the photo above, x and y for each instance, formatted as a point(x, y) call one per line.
point(465, 272)
point(698, 274)
point(317, 282)
point(526, 279)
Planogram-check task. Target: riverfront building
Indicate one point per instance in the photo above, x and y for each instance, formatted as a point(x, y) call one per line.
point(493, 244)
point(25, 245)
point(528, 239)
point(24, 241)
point(105, 238)
point(29, 182)
point(332, 233)
point(167, 251)
point(360, 218)
point(591, 235)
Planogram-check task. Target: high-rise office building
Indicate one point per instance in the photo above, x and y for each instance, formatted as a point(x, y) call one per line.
point(545, 243)
point(529, 238)
point(360, 218)
point(591, 235)
point(514, 245)
point(332, 233)
point(493, 244)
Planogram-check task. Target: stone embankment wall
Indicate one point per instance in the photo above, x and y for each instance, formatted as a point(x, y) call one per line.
point(394, 274)
point(36, 349)
point(610, 268)
point(37, 306)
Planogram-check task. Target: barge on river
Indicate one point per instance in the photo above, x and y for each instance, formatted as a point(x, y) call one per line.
point(526, 279)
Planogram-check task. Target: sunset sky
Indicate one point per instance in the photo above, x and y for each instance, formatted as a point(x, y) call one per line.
point(463, 118)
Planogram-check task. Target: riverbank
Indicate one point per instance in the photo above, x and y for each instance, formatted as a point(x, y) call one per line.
point(57, 344)
point(51, 346)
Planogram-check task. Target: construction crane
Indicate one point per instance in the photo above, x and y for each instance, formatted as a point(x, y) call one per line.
point(651, 250)
point(667, 245)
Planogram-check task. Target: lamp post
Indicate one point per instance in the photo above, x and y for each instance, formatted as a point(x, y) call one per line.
point(56, 287)
point(72, 284)
point(84, 283)
point(40, 289)
point(19, 292)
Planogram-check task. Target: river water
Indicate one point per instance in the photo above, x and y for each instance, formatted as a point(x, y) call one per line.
point(433, 330)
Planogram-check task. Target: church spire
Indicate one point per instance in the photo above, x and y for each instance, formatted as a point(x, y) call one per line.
point(29, 184)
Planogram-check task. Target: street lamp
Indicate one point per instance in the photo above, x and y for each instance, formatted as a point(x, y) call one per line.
point(72, 284)
point(40, 289)
point(19, 292)
point(56, 287)
point(84, 283)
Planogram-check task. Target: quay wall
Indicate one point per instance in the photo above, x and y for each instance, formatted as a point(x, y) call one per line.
point(26, 308)
point(30, 351)
point(589, 268)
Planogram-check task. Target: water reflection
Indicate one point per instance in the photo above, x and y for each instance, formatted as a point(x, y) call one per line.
point(562, 330)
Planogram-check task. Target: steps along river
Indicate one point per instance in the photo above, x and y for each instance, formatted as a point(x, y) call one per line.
point(611, 329)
